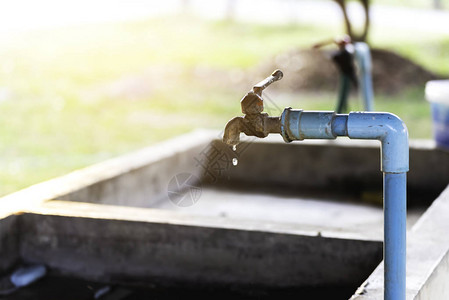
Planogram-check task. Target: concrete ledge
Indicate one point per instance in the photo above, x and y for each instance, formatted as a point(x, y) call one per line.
point(120, 249)
point(427, 257)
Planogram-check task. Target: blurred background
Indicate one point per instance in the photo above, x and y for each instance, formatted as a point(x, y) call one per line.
point(84, 81)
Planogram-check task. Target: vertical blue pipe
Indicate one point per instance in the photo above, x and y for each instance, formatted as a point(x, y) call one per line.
point(392, 132)
point(395, 214)
point(363, 58)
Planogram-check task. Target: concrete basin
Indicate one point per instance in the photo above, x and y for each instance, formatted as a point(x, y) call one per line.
point(288, 220)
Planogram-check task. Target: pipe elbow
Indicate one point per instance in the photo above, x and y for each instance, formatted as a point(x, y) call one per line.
point(390, 130)
point(395, 146)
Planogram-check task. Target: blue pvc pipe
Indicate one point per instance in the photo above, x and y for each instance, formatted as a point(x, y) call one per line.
point(363, 60)
point(340, 125)
point(393, 135)
point(395, 215)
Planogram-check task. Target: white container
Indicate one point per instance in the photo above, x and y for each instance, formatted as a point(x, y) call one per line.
point(437, 93)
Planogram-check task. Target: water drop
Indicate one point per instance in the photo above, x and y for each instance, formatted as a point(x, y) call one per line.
point(234, 148)
point(235, 161)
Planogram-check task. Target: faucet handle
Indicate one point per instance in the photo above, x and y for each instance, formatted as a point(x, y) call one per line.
point(275, 76)
point(252, 102)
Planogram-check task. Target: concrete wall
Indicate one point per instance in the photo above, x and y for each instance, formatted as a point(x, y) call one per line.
point(112, 246)
point(436, 286)
point(141, 178)
point(342, 165)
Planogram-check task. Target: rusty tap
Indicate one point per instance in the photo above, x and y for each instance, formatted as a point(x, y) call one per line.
point(254, 122)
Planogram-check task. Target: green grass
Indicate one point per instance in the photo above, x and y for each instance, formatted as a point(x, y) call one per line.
point(57, 117)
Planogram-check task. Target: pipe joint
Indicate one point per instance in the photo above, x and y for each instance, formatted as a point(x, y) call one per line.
point(297, 124)
point(390, 130)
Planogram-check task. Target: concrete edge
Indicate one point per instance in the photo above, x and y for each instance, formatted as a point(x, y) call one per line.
point(76, 180)
point(427, 258)
point(112, 244)
point(154, 215)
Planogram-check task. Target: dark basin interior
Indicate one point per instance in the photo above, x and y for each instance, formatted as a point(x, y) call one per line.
point(69, 288)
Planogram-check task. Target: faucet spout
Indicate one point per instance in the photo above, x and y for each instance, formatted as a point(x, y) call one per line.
point(232, 131)
point(259, 125)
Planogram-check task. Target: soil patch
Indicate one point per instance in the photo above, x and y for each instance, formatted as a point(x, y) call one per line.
point(311, 70)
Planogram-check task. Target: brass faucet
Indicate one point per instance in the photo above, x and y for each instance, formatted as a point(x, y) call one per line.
point(254, 122)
